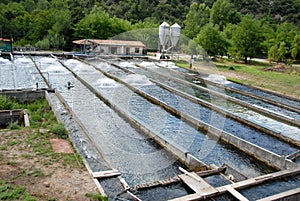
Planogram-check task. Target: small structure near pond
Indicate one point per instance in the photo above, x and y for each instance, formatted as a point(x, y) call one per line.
point(111, 47)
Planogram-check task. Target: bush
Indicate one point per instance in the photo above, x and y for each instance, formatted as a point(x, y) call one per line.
point(60, 130)
point(13, 126)
point(5, 103)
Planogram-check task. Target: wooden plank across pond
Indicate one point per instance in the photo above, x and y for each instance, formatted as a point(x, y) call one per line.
point(197, 184)
point(203, 190)
point(105, 174)
point(235, 193)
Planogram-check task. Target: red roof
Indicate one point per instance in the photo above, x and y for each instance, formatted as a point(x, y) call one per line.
point(6, 39)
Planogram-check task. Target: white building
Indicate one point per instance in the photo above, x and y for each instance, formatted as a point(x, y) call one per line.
point(116, 47)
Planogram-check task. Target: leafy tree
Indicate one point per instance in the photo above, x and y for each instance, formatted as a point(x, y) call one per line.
point(295, 52)
point(247, 38)
point(284, 33)
point(171, 11)
point(42, 22)
point(98, 24)
point(212, 41)
point(220, 13)
point(277, 53)
point(62, 24)
point(192, 48)
point(197, 17)
point(15, 20)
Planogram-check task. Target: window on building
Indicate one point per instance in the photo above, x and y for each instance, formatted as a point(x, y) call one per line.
point(137, 50)
point(113, 50)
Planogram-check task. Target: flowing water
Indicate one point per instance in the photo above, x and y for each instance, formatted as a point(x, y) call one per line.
point(277, 126)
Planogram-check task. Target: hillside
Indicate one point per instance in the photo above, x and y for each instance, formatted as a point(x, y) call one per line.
point(54, 24)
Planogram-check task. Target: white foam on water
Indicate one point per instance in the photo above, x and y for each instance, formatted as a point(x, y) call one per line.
point(168, 64)
point(127, 64)
point(47, 60)
point(82, 68)
point(4, 61)
point(72, 62)
point(106, 83)
point(217, 78)
point(54, 69)
point(136, 79)
point(148, 64)
point(22, 60)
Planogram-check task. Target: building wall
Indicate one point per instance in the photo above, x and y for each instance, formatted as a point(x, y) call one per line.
point(5, 46)
point(104, 49)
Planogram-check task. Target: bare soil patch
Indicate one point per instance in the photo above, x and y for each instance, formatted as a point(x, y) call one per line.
point(27, 159)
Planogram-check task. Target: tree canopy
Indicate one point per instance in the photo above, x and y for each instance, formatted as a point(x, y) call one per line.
point(241, 28)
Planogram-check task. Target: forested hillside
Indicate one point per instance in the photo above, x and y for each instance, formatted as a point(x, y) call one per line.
point(241, 28)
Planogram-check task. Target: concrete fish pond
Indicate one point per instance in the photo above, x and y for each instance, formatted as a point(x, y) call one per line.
point(149, 131)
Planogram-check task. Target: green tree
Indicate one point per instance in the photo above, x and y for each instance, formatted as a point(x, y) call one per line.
point(212, 41)
point(98, 24)
point(247, 38)
point(171, 11)
point(220, 13)
point(277, 53)
point(295, 52)
point(197, 17)
point(284, 32)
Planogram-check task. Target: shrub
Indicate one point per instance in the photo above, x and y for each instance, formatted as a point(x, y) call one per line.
point(60, 130)
point(13, 126)
point(5, 103)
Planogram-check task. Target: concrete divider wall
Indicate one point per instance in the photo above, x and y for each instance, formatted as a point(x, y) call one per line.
point(10, 116)
point(228, 114)
point(208, 82)
point(259, 110)
point(268, 157)
point(26, 95)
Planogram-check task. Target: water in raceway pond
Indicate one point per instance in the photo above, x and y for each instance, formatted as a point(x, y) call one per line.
point(277, 126)
point(206, 115)
point(137, 157)
point(170, 127)
point(19, 74)
point(253, 101)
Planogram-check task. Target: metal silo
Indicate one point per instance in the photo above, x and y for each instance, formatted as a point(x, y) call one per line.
point(175, 33)
point(164, 34)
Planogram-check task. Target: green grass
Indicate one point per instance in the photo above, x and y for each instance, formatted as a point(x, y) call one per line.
point(40, 113)
point(284, 82)
point(60, 130)
point(96, 197)
point(14, 142)
point(3, 147)
point(9, 192)
point(254, 74)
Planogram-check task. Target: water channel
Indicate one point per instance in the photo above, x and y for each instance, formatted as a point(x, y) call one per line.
point(259, 119)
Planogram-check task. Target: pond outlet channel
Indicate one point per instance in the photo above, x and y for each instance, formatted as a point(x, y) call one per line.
point(119, 131)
